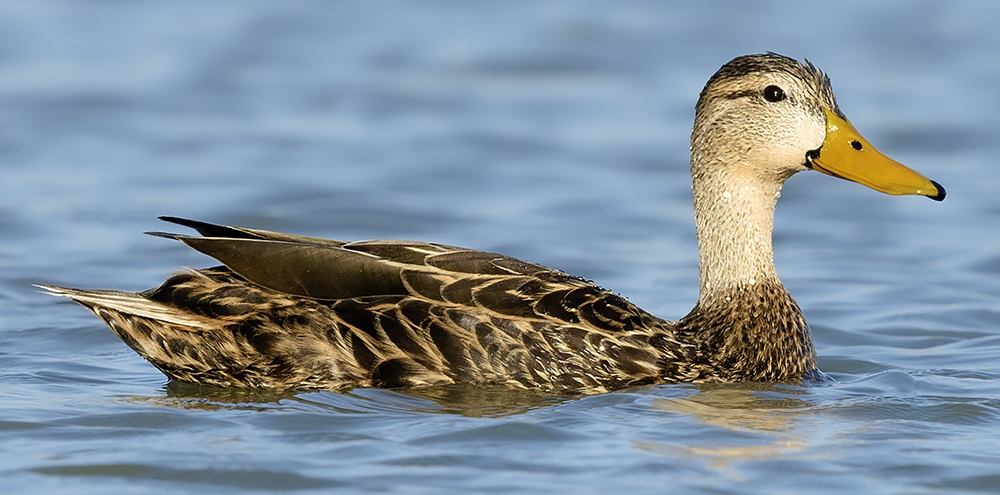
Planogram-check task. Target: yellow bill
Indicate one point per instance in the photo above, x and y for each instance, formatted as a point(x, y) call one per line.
point(847, 155)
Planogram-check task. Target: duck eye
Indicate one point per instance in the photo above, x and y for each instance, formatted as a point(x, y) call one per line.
point(773, 94)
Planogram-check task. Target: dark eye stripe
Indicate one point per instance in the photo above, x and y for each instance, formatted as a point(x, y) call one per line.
point(752, 94)
point(740, 94)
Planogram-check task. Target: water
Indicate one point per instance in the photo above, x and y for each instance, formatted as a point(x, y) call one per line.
point(556, 133)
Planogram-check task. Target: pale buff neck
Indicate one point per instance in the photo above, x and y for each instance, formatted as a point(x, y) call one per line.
point(734, 214)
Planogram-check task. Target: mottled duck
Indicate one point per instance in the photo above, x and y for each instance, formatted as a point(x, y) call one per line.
point(286, 311)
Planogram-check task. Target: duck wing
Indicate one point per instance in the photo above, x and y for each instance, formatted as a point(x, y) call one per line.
point(330, 270)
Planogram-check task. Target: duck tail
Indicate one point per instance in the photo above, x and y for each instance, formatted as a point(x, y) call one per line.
point(127, 303)
point(184, 346)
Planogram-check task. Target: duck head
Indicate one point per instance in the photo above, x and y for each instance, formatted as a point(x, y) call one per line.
point(770, 116)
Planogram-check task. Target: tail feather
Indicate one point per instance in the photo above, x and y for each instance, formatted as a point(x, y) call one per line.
point(129, 303)
point(184, 346)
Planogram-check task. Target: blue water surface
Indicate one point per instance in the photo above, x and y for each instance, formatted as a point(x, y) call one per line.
point(555, 132)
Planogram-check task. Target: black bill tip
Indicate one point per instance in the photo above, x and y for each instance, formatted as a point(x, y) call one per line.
point(940, 194)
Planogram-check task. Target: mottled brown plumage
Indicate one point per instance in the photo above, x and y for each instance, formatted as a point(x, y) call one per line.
point(300, 312)
point(445, 315)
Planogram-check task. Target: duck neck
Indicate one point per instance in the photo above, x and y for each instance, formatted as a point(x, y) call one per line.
point(745, 323)
point(734, 214)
